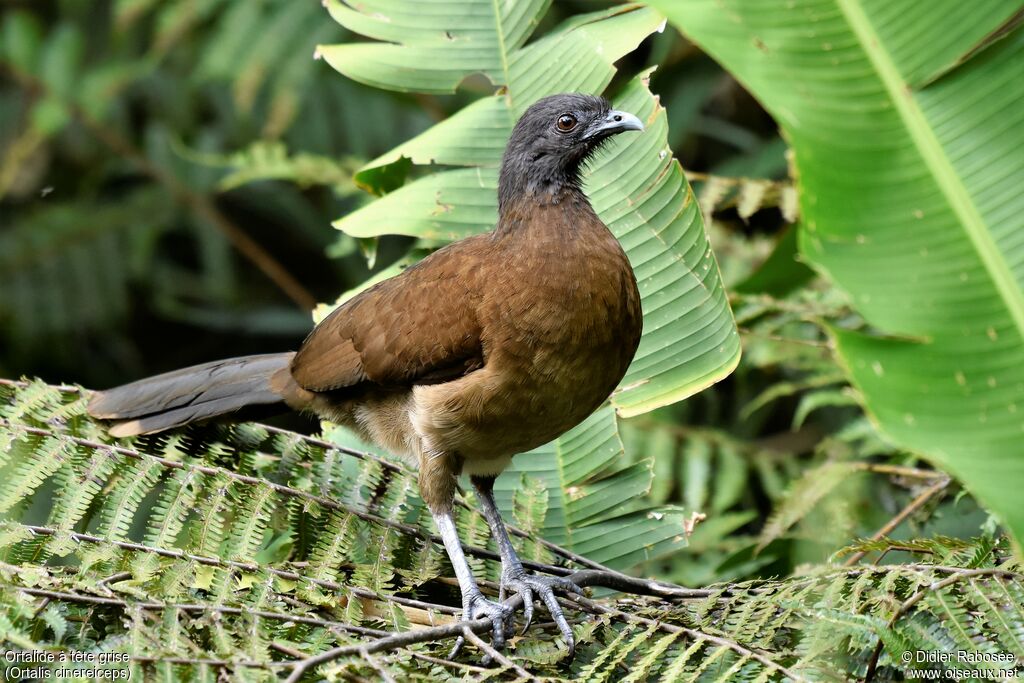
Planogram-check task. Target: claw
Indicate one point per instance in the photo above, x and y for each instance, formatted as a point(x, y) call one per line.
point(527, 594)
point(527, 585)
point(476, 606)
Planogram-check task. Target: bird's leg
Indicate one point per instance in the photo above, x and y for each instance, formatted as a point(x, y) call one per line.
point(474, 604)
point(514, 576)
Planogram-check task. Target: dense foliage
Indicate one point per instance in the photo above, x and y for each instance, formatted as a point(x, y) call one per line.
point(250, 549)
point(168, 175)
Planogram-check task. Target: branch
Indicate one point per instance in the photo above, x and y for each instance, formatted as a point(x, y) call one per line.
point(233, 564)
point(628, 584)
point(496, 656)
point(384, 641)
point(912, 507)
point(908, 604)
point(398, 640)
point(198, 203)
point(692, 633)
point(197, 607)
point(375, 665)
point(447, 662)
point(584, 578)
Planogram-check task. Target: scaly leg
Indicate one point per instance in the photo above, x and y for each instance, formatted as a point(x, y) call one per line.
point(474, 604)
point(514, 576)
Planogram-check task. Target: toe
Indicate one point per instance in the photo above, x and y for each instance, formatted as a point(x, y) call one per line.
point(508, 620)
point(543, 587)
point(459, 642)
point(498, 627)
point(527, 594)
point(566, 631)
point(500, 616)
point(551, 602)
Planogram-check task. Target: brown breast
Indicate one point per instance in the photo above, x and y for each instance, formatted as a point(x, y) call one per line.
point(560, 319)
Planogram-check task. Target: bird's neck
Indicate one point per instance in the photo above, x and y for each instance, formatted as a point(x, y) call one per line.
point(562, 214)
point(540, 181)
point(523, 188)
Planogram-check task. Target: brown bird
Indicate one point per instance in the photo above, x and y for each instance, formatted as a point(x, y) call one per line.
point(491, 346)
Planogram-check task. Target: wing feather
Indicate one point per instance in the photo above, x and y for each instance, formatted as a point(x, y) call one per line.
point(417, 327)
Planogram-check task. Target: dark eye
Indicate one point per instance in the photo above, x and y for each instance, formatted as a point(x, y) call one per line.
point(566, 122)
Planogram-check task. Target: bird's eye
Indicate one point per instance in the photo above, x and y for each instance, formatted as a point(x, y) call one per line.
point(566, 122)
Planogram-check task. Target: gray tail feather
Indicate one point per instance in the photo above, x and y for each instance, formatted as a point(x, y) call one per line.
point(196, 393)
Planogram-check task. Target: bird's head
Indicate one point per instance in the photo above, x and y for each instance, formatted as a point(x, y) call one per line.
point(553, 138)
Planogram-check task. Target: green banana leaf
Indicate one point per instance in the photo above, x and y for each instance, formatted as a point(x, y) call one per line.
point(690, 339)
point(589, 498)
point(907, 125)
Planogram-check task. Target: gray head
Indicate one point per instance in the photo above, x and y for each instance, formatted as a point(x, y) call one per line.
point(551, 141)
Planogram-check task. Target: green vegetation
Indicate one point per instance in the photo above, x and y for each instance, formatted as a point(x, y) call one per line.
point(168, 174)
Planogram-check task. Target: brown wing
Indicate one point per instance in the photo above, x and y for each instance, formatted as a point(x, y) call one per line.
point(417, 327)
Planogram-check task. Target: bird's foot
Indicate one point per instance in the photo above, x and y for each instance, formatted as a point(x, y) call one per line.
point(543, 587)
point(476, 606)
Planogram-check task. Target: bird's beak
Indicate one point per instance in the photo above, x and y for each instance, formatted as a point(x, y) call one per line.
point(615, 122)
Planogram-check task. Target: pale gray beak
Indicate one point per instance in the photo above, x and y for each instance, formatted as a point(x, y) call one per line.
point(615, 122)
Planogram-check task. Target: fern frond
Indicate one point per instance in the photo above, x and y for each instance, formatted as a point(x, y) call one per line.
point(318, 548)
point(813, 486)
point(40, 459)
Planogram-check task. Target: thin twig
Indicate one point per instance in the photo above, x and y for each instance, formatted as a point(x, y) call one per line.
point(692, 633)
point(586, 578)
point(290, 651)
point(908, 604)
point(496, 655)
point(113, 578)
point(220, 663)
point(900, 471)
point(628, 584)
point(582, 578)
point(913, 506)
point(805, 308)
point(328, 446)
point(196, 607)
point(375, 665)
point(747, 332)
point(396, 641)
point(332, 586)
point(42, 606)
point(21, 384)
point(446, 662)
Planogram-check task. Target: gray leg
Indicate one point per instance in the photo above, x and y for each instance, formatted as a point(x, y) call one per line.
point(474, 604)
point(514, 576)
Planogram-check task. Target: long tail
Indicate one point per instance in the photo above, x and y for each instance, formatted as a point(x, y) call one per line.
point(190, 394)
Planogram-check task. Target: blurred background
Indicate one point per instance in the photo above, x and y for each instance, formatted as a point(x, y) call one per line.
point(169, 172)
point(143, 228)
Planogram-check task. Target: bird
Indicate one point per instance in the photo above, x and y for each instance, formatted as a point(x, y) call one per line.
point(490, 346)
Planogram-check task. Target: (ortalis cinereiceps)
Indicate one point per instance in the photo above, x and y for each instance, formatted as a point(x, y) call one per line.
point(491, 346)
